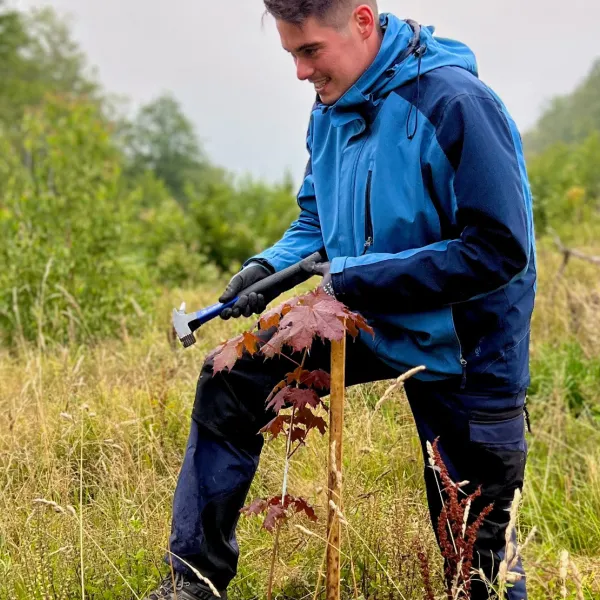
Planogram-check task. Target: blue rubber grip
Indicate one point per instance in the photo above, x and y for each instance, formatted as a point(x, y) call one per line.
point(212, 311)
point(274, 284)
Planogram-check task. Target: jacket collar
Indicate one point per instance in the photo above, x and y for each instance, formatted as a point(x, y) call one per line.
point(361, 100)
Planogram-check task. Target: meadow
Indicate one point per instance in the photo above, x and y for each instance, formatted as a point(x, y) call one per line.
point(109, 220)
point(92, 438)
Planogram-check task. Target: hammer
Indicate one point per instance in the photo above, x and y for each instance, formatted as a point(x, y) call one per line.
point(186, 323)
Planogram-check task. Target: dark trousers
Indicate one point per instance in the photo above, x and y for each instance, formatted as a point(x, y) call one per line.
point(481, 439)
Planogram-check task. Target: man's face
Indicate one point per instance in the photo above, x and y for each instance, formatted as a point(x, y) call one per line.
point(330, 58)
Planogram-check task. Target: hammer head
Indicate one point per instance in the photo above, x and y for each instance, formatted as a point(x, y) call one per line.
point(181, 324)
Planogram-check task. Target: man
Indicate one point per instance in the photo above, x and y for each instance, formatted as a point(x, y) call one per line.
point(416, 189)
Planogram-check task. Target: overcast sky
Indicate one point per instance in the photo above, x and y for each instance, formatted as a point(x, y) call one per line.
point(239, 87)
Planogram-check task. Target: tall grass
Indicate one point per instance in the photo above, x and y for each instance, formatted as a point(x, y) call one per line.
point(91, 440)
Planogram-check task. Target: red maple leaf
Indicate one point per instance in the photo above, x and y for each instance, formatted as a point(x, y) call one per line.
point(303, 397)
point(250, 342)
point(226, 355)
point(274, 345)
point(314, 313)
point(303, 416)
point(278, 401)
point(276, 426)
point(298, 434)
point(274, 514)
point(256, 507)
point(355, 321)
point(297, 397)
point(299, 320)
point(301, 505)
point(296, 375)
point(306, 417)
point(272, 317)
point(315, 379)
point(274, 391)
point(275, 511)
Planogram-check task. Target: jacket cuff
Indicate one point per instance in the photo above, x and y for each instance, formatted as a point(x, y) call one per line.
point(261, 261)
point(336, 270)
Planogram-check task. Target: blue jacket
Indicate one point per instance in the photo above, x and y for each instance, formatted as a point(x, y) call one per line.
point(416, 187)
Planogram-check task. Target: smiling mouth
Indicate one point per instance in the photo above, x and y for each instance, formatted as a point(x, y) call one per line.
point(321, 83)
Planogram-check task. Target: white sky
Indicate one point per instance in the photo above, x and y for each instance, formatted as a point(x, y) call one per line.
point(239, 87)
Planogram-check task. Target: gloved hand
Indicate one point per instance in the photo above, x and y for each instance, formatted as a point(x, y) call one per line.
point(246, 304)
point(323, 270)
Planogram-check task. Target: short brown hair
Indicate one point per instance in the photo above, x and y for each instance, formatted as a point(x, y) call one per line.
point(331, 12)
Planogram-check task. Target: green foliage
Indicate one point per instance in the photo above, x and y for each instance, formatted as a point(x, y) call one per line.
point(567, 369)
point(569, 118)
point(162, 140)
point(64, 229)
point(38, 56)
point(564, 151)
point(166, 237)
point(565, 181)
point(87, 245)
point(218, 219)
point(238, 221)
point(96, 215)
point(562, 479)
point(13, 66)
point(60, 65)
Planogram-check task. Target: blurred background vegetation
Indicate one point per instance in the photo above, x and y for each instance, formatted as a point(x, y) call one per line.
point(99, 212)
point(106, 222)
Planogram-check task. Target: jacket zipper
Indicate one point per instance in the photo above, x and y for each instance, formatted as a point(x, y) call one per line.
point(360, 151)
point(463, 362)
point(368, 221)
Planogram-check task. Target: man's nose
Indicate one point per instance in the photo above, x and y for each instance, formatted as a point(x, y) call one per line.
point(303, 70)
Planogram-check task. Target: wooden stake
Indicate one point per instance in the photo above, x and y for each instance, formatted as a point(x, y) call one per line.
point(334, 482)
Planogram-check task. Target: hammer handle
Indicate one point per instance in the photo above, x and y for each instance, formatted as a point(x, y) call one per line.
point(285, 280)
point(274, 284)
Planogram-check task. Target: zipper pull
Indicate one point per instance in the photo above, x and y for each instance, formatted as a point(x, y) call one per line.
point(368, 244)
point(463, 364)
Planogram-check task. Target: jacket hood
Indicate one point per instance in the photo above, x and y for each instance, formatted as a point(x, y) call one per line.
point(407, 51)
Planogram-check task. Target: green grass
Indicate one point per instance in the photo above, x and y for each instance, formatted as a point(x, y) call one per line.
point(100, 431)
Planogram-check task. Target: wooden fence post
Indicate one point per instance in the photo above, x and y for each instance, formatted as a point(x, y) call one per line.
point(334, 480)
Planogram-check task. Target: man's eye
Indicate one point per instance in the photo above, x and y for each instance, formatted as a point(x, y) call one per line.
point(310, 52)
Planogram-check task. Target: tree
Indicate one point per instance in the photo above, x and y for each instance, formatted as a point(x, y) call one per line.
point(566, 188)
point(38, 56)
point(239, 219)
point(161, 139)
point(14, 68)
point(61, 65)
point(68, 269)
point(570, 118)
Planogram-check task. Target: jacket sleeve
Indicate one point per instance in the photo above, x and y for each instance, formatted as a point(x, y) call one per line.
point(478, 176)
point(304, 236)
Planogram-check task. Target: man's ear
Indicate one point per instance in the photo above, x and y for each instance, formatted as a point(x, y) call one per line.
point(365, 21)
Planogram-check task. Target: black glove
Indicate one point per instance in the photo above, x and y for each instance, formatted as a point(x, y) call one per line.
point(246, 304)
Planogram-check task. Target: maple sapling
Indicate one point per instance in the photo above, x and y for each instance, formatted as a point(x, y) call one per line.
point(298, 322)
